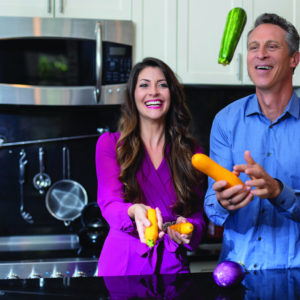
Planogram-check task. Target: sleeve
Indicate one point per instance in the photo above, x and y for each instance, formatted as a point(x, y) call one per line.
point(110, 189)
point(288, 203)
point(221, 153)
point(197, 219)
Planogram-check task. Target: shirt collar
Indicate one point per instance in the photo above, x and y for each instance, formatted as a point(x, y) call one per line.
point(293, 107)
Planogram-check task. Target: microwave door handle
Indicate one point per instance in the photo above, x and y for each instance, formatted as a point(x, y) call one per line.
point(49, 6)
point(98, 61)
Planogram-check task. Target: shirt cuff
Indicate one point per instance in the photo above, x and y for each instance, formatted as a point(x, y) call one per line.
point(215, 211)
point(285, 198)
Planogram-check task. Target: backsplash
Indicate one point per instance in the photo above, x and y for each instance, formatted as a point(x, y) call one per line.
point(31, 123)
point(205, 101)
point(27, 123)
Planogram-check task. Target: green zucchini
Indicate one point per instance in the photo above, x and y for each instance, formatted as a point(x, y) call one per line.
point(235, 24)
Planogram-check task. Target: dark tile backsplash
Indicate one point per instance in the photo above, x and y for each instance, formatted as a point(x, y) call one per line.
point(205, 101)
point(23, 123)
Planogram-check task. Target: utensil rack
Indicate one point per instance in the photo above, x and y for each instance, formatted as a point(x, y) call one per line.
point(51, 140)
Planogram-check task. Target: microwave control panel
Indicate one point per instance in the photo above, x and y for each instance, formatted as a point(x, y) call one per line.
point(117, 63)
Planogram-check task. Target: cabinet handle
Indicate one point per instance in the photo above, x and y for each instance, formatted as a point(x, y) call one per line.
point(62, 6)
point(98, 31)
point(239, 67)
point(49, 6)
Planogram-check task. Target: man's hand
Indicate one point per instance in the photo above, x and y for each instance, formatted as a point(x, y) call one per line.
point(232, 198)
point(265, 185)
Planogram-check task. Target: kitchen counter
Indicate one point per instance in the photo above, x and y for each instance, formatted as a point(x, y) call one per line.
point(273, 284)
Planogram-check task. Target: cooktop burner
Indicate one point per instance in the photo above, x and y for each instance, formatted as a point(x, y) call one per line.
point(45, 256)
point(49, 268)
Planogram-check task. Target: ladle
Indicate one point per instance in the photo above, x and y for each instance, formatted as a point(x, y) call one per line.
point(22, 162)
point(41, 181)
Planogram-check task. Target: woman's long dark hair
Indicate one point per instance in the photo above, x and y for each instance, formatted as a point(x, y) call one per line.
point(130, 150)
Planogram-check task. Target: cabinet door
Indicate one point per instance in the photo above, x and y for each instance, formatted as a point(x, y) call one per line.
point(155, 24)
point(200, 29)
point(288, 9)
point(28, 8)
point(93, 9)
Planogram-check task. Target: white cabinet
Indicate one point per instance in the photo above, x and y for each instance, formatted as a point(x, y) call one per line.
point(186, 34)
point(200, 26)
point(200, 29)
point(155, 24)
point(288, 9)
point(98, 9)
point(28, 8)
point(94, 9)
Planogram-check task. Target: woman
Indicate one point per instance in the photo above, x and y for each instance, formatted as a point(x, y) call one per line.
point(147, 163)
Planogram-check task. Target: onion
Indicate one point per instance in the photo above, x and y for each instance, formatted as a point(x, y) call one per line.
point(228, 273)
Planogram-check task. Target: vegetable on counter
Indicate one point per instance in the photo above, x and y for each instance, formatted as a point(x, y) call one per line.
point(151, 232)
point(228, 273)
point(212, 169)
point(183, 228)
point(235, 23)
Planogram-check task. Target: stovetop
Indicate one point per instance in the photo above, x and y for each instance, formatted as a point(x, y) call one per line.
point(49, 268)
point(46, 256)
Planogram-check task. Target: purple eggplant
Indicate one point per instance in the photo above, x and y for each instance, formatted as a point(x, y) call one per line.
point(228, 273)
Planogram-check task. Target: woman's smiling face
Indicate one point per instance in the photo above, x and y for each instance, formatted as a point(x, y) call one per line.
point(152, 94)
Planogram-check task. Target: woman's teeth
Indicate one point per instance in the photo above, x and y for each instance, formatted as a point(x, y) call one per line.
point(154, 103)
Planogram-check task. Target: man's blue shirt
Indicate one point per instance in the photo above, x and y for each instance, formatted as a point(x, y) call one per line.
point(265, 234)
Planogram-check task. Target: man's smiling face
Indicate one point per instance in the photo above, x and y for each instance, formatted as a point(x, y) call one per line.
point(269, 62)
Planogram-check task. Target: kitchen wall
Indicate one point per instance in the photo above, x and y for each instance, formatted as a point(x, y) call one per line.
point(205, 101)
point(23, 123)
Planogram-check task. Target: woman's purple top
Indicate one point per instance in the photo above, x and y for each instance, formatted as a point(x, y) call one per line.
point(122, 252)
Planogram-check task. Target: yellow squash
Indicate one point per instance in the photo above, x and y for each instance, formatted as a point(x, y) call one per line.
point(151, 232)
point(212, 169)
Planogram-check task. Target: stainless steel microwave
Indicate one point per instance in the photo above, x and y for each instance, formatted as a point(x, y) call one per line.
point(48, 61)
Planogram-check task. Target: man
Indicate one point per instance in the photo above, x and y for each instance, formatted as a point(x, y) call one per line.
point(258, 137)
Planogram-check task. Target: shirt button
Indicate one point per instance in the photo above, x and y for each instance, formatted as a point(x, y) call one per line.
point(255, 265)
point(262, 211)
point(268, 154)
point(282, 202)
point(259, 238)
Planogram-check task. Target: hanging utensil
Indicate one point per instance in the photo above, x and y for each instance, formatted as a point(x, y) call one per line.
point(66, 198)
point(22, 162)
point(41, 181)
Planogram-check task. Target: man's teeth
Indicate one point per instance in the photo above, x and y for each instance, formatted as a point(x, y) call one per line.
point(153, 103)
point(264, 67)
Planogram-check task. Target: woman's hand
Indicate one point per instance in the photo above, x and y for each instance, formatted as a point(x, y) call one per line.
point(138, 212)
point(178, 237)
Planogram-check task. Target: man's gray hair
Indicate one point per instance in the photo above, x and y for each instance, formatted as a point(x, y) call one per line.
point(292, 35)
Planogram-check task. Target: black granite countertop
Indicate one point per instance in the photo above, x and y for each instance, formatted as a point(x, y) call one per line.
point(268, 284)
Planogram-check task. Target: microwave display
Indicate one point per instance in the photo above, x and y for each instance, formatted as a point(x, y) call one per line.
point(61, 62)
point(117, 63)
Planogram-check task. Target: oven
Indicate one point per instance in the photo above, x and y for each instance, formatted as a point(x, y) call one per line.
point(47, 61)
point(44, 256)
point(48, 246)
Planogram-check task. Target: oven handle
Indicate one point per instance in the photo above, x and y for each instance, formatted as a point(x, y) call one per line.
point(99, 62)
point(49, 6)
point(51, 140)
